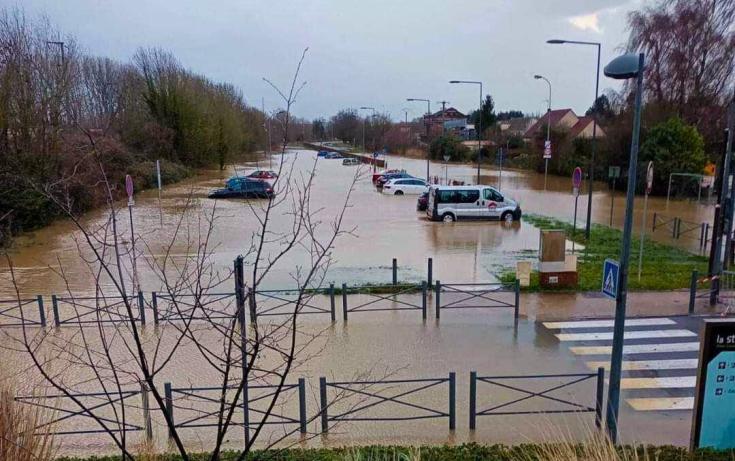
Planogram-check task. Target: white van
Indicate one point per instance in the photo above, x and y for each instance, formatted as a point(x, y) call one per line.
point(450, 203)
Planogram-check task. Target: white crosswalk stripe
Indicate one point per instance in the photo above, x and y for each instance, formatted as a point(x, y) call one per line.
point(672, 349)
point(608, 335)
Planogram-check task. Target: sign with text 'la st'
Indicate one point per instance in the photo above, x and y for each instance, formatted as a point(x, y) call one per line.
point(610, 271)
point(713, 425)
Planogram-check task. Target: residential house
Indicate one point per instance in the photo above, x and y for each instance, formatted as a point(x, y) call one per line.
point(516, 126)
point(564, 119)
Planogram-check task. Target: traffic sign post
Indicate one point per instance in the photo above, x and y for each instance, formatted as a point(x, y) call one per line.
point(576, 183)
point(713, 422)
point(649, 187)
point(158, 175)
point(610, 271)
point(129, 190)
point(547, 156)
point(613, 173)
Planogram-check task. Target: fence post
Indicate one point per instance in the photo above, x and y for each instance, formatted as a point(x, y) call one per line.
point(653, 229)
point(251, 305)
point(706, 236)
point(41, 311)
point(323, 404)
point(424, 295)
point(141, 307)
point(693, 291)
point(674, 229)
point(239, 274)
point(517, 288)
point(438, 297)
point(430, 271)
point(169, 402)
point(395, 271)
point(452, 401)
point(473, 399)
point(701, 236)
point(599, 396)
point(331, 303)
point(55, 308)
point(344, 302)
point(147, 424)
point(302, 405)
point(154, 304)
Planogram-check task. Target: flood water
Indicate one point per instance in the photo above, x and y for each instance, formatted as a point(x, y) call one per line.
point(397, 344)
point(385, 227)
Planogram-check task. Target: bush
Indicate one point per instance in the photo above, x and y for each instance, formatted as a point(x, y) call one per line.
point(448, 144)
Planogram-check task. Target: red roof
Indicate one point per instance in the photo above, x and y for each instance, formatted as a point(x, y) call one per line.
point(556, 116)
point(583, 123)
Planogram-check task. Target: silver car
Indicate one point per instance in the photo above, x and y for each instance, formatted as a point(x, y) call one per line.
point(452, 203)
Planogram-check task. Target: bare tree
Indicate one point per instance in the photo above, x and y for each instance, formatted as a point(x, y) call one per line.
point(103, 349)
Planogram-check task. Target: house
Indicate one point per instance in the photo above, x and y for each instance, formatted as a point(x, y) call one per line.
point(438, 118)
point(460, 128)
point(565, 119)
point(516, 126)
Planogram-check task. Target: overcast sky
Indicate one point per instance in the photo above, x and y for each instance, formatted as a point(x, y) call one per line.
point(365, 52)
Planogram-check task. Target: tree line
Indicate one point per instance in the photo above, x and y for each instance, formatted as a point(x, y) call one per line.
point(65, 114)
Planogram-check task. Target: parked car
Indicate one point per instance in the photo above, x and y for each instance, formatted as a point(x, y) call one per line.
point(244, 188)
point(422, 201)
point(263, 174)
point(384, 172)
point(351, 161)
point(322, 153)
point(403, 186)
point(387, 177)
point(452, 203)
point(333, 155)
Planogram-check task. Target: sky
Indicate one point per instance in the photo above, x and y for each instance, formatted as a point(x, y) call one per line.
point(371, 53)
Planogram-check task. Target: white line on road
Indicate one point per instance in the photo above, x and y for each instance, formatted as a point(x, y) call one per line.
point(637, 349)
point(673, 364)
point(607, 336)
point(669, 382)
point(608, 323)
point(661, 404)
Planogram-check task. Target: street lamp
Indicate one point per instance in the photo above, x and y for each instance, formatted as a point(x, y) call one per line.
point(591, 169)
point(363, 125)
point(548, 128)
point(428, 113)
point(479, 125)
point(624, 67)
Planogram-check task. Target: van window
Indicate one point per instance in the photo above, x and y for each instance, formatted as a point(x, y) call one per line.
point(490, 194)
point(445, 196)
point(468, 196)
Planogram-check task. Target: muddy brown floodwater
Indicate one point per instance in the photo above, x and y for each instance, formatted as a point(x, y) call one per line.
point(399, 343)
point(386, 226)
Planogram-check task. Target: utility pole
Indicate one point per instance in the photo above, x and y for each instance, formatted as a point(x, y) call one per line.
point(444, 108)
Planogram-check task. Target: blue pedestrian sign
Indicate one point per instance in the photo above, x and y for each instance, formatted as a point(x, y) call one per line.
point(610, 278)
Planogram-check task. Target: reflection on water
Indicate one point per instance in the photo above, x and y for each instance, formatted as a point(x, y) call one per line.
point(386, 226)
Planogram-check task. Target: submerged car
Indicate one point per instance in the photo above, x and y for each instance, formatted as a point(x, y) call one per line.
point(387, 177)
point(422, 201)
point(333, 155)
point(244, 188)
point(351, 161)
point(453, 203)
point(263, 174)
point(322, 153)
point(403, 186)
point(377, 176)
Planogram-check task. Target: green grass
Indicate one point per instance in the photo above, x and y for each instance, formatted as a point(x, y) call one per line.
point(463, 452)
point(664, 267)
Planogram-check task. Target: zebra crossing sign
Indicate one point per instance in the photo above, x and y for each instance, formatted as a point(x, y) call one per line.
point(610, 271)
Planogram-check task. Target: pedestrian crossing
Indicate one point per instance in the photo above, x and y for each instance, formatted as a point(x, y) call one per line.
point(660, 357)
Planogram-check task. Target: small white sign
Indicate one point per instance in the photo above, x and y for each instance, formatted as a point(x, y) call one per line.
point(547, 149)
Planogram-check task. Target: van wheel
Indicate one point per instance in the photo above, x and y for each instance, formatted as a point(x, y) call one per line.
point(399, 192)
point(448, 217)
point(507, 217)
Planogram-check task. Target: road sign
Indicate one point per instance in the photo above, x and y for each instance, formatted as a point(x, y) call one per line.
point(576, 180)
point(547, 149)
point(649, 177)
point(610, 271)
point(613, 172)
point(713, 424)
point(129, 189)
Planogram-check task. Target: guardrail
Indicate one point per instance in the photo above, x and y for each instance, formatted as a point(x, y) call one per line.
point(400, 298)
point(564, 405)
point(97, 310)
point(477, 296)
point(372, 399)
point(22, 312)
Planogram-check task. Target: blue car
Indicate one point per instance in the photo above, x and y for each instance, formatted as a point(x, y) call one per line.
point(238, 187)
point(322, 153)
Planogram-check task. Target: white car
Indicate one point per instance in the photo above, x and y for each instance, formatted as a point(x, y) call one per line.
point(401, 186)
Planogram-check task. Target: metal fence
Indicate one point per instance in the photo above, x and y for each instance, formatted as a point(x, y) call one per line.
point(268, 303)
point(407, 297)
point(477, 296)
point(170, 307)
point(677, 228)
point(712, 291)
point(101, 309)
point(523, 396)
point(369, 399)
point(22, 312)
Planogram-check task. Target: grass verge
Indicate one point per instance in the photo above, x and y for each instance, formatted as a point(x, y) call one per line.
point(664, 267)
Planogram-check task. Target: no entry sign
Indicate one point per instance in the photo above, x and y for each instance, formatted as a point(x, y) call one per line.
point(576, 180)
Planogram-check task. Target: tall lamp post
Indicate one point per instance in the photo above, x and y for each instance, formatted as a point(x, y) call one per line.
point(591, 168)
point(428, 114)
point(479, 125)
point(363, 125)
point(548, 127)
point(624, 67)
